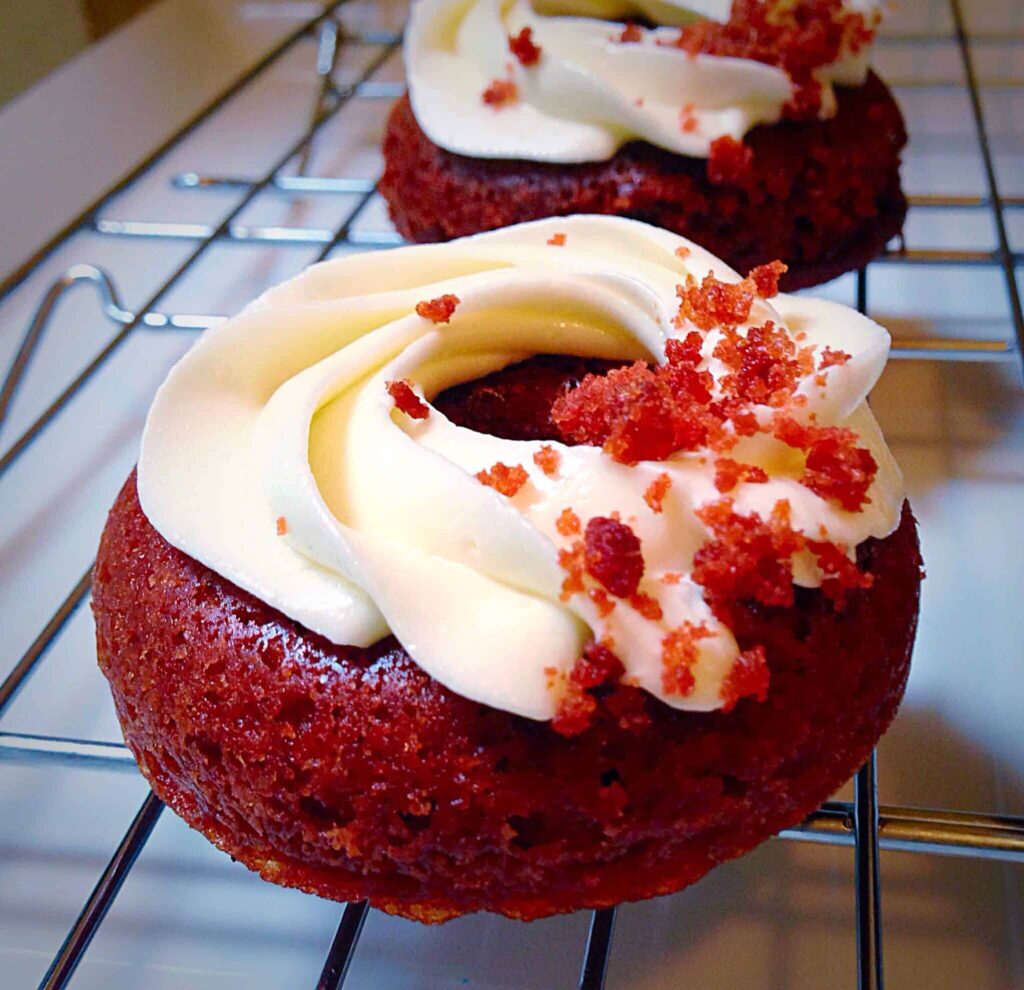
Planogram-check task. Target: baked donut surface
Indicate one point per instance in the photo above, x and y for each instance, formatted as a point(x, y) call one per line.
point(822, 196)
point(350, 773)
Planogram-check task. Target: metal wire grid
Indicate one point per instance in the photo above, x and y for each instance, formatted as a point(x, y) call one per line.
point(862, 823)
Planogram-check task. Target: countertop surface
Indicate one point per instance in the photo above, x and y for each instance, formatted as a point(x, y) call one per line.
point(781, 918)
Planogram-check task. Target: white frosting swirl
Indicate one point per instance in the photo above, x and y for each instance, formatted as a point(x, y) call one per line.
point(283, 413)
point(589, 94)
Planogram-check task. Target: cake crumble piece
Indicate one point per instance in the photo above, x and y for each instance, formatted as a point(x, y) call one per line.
point(831, 358)
point(612, 555)
point(766, 278)
point(687, 121)
point(655, 493)
point(501, 92)
point(646, 606)
point(713, 303)
point(548, 460)
point(631, 34)
point(682, 252)
point(503, 478)
point(572, 560)
point(605, 606)
point(839, 573)
point(671, 577)
point(576, 707)
point(407, 401)
point(748, 678)
point(557, 240)
point(568, 523)
point(438, 310)
point(729, 473)
point(282, 525)
point(678, 655)
point(523, 47)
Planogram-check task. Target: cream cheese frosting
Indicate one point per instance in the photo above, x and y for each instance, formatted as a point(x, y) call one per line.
point(589, 94)
point(274, 454)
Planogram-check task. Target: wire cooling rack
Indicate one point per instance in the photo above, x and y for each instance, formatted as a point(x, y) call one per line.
point(862, 823)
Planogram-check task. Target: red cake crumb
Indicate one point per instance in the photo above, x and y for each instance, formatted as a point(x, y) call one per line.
point(766, 366)
point(766, 278)
point(547, 459)
point(568, 523)
point(748, 678)
point(655, 493)
point(682, 252)
point(687, 121)
point(796, 37)
point(504, 479)
point(557, 240)
point(647, 606)
point(523, 48)
point(407, 400)
point(746, 556)
point(730, 162)
point(572, 560)
point(605, 606)
point(500, 92)
point(631, 34)
point(438, 310)
point(671, 577)
point(282, 525)
point(612, 555)
point(678, 655)
point(597, 666)
point(836, 468)
point(831, 358)
point(839, 573)
point(729, 473)
point(714, 303)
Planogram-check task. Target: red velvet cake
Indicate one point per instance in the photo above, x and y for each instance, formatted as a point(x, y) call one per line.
point(729, 675)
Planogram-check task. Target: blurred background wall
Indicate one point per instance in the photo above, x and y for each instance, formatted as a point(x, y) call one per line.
point(36, 36)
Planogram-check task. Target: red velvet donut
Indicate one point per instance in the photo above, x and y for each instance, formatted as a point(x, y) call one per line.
point(351, 773)
point(823, 196)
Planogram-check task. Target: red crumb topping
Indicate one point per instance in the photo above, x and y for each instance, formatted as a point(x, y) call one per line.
point(407, 400)
point(766, 278)
point(714, 303)
point(747, 678)
point(631, 34)
point(729, 473)
point(557, 240)
point(678, 655)
point(830, 358)
point(282, 525)
point(612, 555)
point(671, 577)
point(572, 560)
point(747, 557)
point(438, 310)
point(605, 606)
point(798, 37)
point(836, 468)
point(568, 523)
point(730, 162)
point(547, 459)
point(683, 252)
point(500, 92)
point(656, 491)
point(647, 606)
point(576, 706)
point(504, 479)
point(638, 413)
point(765, 365)
point(687, 121)
point(523, 48)
point(839, 573)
